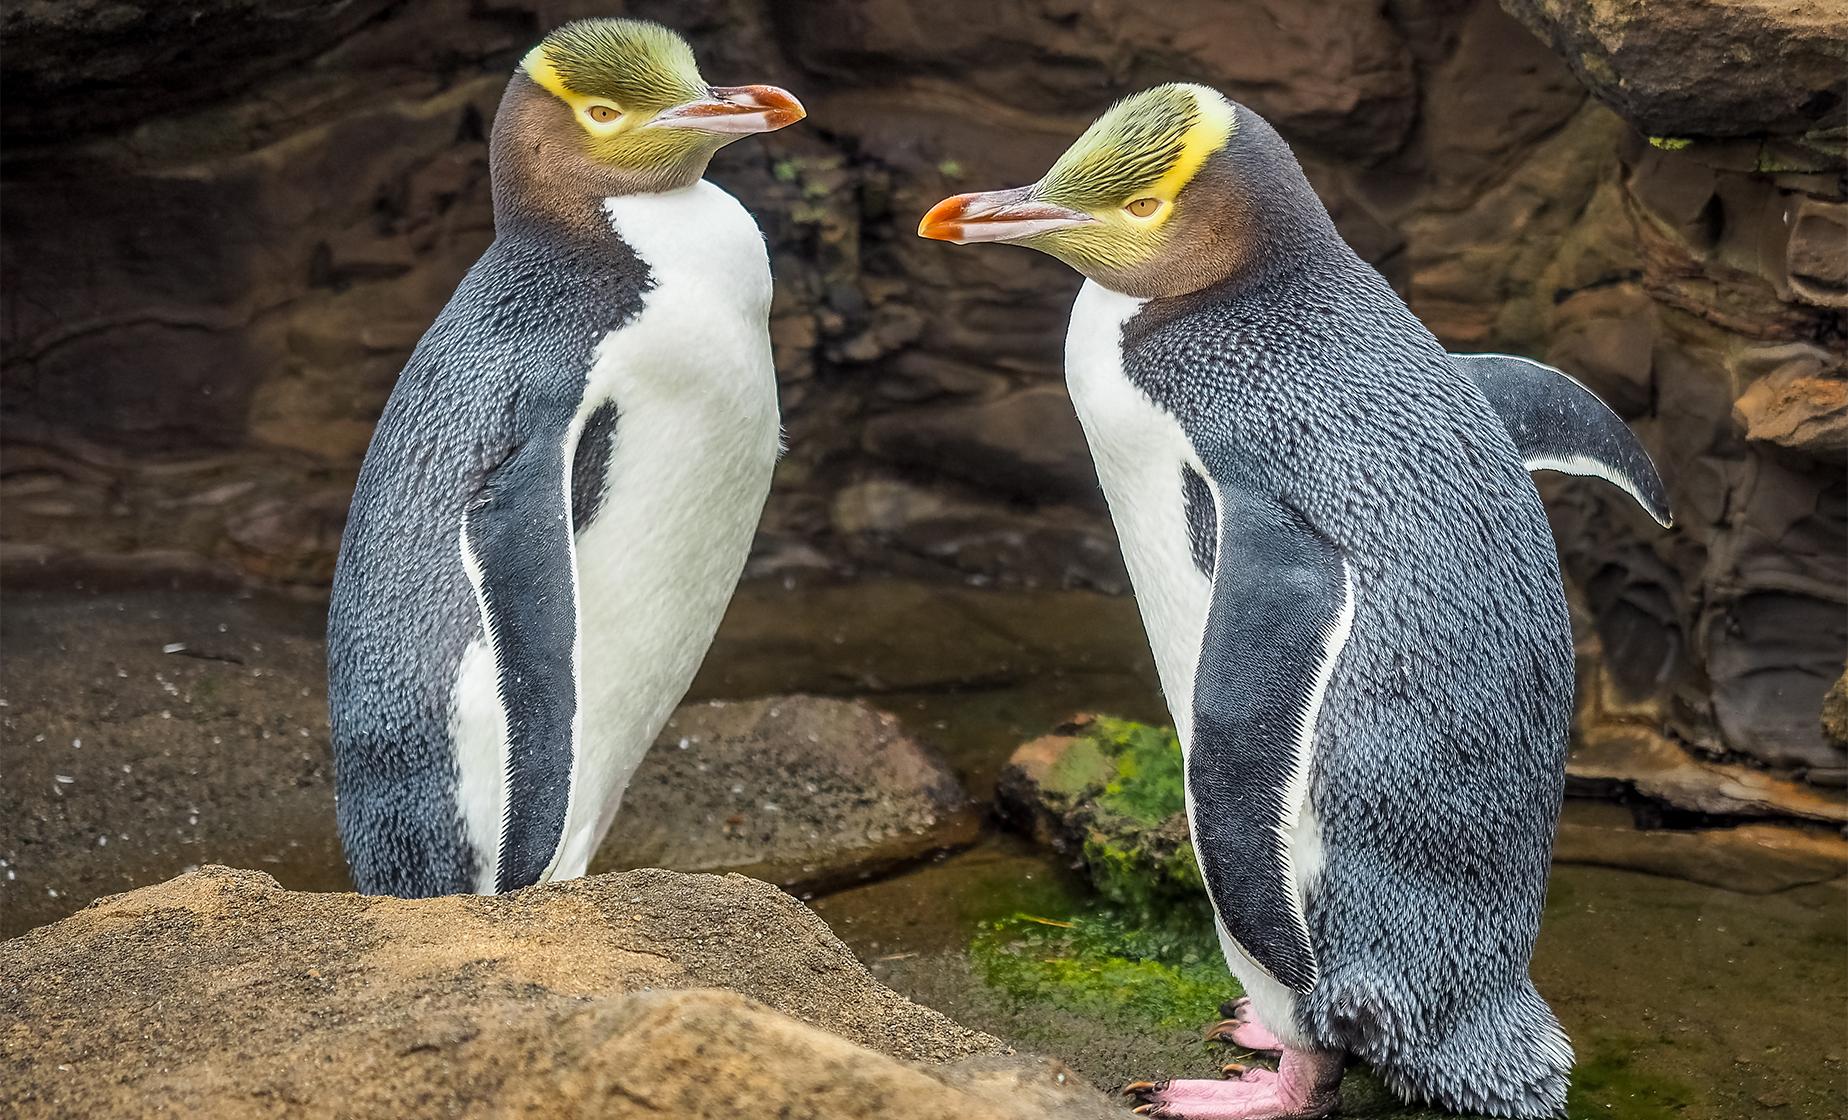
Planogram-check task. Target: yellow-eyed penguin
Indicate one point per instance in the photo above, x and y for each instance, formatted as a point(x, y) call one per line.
point(1353, 599)
point(562, 491)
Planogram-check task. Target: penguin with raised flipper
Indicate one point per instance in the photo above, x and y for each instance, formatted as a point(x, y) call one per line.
point(1352, 595)
point(562, 491)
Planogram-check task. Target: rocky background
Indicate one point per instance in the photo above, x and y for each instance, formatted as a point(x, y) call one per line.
point(226, 223)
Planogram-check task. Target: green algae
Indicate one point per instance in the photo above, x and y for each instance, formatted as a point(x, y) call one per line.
point(1148, 786)
point(1141, 977)
point(1084, 768)
point(1606, 1082)
point(1145, 952)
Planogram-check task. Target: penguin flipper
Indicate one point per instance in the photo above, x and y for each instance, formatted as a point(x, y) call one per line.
point(519, 551)
point(1282, 607)
point(1560, 425)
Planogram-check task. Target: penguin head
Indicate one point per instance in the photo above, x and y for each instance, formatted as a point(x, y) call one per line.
point(617, 106)
point(1171, 190)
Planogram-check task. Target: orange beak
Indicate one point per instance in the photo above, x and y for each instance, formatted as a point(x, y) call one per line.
point(735, 111)
point(996, 216)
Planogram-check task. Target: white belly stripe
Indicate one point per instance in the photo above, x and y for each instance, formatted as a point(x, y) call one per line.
point(1140, 450)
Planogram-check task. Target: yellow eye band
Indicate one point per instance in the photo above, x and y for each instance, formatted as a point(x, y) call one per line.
point(1208, 134)
point(541, 70)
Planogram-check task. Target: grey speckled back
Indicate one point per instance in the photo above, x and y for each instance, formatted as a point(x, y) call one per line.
point(503, 364)
point(1439, 753)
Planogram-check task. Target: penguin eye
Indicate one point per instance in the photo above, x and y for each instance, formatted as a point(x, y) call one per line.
point(1143, 207)
point(602, 114)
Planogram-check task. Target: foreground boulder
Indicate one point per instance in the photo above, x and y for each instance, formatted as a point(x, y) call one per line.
point(806, 792)
point(220, 994)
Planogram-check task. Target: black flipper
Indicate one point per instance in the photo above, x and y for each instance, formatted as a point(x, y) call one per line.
point(519, 536)
point(1559, 425)
point(1282, 608)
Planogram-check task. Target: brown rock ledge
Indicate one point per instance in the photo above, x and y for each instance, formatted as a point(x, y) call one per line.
point(220, 994)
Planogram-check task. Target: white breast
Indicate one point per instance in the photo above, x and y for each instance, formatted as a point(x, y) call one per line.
point(695, 447)
point(696, 441)
point(1140, 451)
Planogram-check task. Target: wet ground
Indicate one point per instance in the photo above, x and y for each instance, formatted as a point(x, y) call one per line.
point(1682, 1001)
point(148, 731)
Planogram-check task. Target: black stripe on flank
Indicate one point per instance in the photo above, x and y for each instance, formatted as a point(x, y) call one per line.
point(590, 466)
point(502, 367)
point(1202, 532)
point(519, 532)
point(1279, 589)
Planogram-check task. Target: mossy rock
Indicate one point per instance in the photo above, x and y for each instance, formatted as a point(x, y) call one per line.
point(1144, 956)
point(1111, 791)
point(1835, 711)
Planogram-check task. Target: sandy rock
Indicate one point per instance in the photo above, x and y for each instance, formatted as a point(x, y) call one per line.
point(219, 994)
point(1799, 406)
point(716, 1054)
point(1733, 69)
point(801, 791)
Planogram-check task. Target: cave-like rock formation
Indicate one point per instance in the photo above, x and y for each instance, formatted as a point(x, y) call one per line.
point(224, 231)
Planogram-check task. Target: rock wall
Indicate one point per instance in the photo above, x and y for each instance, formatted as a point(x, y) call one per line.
point(223, 233)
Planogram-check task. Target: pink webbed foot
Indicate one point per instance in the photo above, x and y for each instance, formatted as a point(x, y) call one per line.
point(1305, 1087)
point(1241, 1028)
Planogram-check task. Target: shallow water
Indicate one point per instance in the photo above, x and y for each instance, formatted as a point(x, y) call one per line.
point(1683, 1000)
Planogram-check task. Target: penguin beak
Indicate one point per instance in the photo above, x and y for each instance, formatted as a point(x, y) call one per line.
point(996, 216)
point(735, 111)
